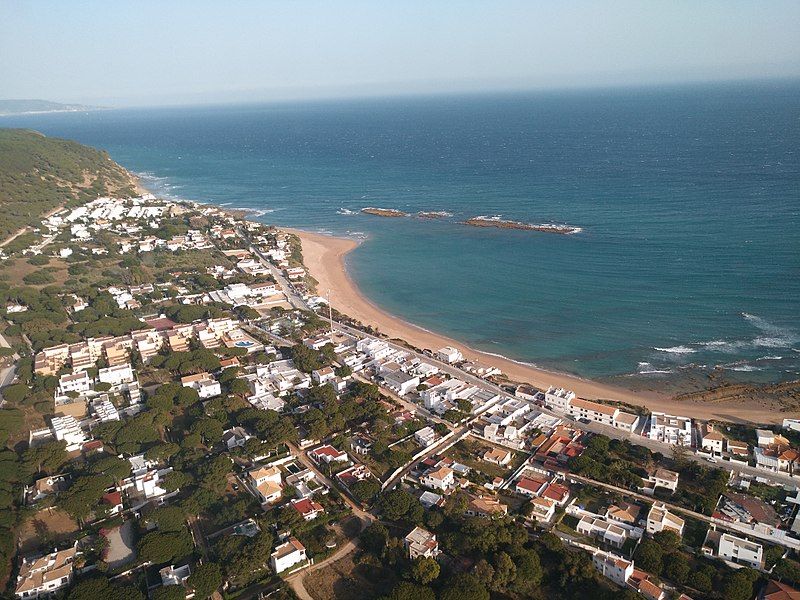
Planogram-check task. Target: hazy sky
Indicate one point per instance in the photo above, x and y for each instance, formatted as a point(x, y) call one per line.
point(143, 52)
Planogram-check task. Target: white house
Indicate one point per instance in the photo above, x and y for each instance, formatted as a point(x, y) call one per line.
point(205, 385)
point(660, 519)
point(235, 437)
point(713, 441)
point(74, 382)
point(498, 456)
point(449, 355)
point(104, 409)
point(327, 454)
point(439, 479)
point(425, 436)
point(287, 555)
point(558, 399)
point(613, 567)
point(400, 382)
point(598, 528)
point(45, 575)
point(267, 481)
point(670, 429)
point(663, 478)
point(173, 575)
point(323, 375)
point(733, 549)
point(543, 509)
point(68, 429)
point(421, 542)
point(116, 375)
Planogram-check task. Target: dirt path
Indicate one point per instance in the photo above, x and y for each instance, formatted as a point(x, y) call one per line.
point(295, 580)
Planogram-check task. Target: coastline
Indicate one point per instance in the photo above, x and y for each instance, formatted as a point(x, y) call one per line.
point(324, 257)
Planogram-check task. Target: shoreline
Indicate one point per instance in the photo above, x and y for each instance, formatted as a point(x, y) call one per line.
point(325, 258)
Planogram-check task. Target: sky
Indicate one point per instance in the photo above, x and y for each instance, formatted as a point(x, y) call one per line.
point(126, 53)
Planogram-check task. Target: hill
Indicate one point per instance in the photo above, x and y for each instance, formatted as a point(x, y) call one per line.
point(39, 174)
point(20, 107)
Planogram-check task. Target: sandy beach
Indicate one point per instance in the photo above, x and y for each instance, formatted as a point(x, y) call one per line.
point(324, 256)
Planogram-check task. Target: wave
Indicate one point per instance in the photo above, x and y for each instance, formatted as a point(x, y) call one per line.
point(503, 356)
point(725, 346)
point(768, 357)
point(775, 335)
point(346, 211)
point(676, 350)
point(744, 368)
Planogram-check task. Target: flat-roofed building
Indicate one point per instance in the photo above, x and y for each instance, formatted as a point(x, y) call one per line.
point(421, 542)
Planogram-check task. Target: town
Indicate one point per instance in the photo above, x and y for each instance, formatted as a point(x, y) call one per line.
point(187, 415)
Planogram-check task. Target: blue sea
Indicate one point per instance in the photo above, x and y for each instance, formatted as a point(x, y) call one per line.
point(688, 263)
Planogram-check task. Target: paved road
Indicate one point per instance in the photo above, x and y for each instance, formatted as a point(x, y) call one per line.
point(433, 449)
point(9, 373)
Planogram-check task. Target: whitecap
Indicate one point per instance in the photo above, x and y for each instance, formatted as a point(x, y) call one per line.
point(676, 350)
point(775, 336)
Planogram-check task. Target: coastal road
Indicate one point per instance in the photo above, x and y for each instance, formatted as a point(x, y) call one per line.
point(294, 298)
point(597, 428)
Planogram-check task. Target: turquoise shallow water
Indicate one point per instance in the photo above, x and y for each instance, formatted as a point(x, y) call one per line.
point(689, 200)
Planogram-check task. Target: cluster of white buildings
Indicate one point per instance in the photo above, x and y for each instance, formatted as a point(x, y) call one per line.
point(566, 402)
point(445, 396)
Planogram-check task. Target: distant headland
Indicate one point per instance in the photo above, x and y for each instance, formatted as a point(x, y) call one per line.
point(29, 107)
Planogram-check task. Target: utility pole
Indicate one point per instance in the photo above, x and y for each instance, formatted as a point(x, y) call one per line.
point(330, 310)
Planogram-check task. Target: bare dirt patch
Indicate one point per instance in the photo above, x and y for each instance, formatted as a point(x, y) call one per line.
point(346, 580)
point(47, 527)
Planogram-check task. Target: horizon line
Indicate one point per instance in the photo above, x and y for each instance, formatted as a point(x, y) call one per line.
point(333, 97)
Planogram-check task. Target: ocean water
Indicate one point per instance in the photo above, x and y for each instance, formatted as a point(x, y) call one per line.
point(689, 201)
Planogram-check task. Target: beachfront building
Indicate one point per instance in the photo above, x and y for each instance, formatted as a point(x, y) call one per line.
point(449, 355)
point(712, 441)
point(558, 399)
point(670, 429)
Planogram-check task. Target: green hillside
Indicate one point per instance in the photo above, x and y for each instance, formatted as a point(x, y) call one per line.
point(39, 174)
